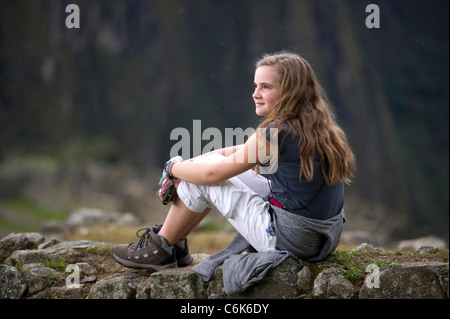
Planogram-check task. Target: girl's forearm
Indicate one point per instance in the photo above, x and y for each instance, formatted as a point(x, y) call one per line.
point(192, 172)
point(226, 151)
point(210, 170)
point(219, 165)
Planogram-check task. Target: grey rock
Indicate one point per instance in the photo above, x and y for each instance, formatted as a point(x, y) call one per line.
point(12, 283)
point(304, 280)
point(80, 244)
point(48, 243)
point(39, 277)
point(415, 244)
point(91, 216)
point(427, 250)
point(59, 293)
point(198, 258)
point(143, 290)
point(119, 286)
point(89, 279)
point(86, 269)
point(330, 284)
point(369, 247)
point(407, 281)
point(279, 283)
point(175, 283)
point(35, 271)
point(23, 257)
point(215, 286)
point(19, 241)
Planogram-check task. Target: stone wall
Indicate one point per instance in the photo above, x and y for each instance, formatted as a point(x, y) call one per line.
point(32, 266)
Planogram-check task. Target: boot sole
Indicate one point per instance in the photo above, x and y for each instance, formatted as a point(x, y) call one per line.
point(134, 265)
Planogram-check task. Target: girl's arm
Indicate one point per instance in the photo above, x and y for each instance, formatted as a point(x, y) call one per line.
point(243, 158)
point(227, 151)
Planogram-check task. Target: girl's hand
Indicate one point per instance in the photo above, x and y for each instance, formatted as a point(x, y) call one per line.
point(166, 181)
point(164, 187)
point(166, 172)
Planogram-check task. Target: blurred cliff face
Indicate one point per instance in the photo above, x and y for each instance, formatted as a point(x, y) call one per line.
point(114, 89)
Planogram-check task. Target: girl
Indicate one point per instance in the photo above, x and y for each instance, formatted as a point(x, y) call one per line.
point(296, 208)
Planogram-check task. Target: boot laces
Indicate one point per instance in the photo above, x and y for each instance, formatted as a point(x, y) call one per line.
point(144, 240)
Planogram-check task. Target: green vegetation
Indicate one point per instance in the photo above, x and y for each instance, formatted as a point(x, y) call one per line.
point(32, 209)
point(27, 214)
point(99, 250)
point(445, 271)
point(51, 279)
point(57, 263)
point(302, 263)
point(15, 227)
point(352, 265)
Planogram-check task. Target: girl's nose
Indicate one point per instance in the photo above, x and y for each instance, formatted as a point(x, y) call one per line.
point(256, 94)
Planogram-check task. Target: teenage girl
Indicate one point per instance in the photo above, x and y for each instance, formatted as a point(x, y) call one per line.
point(313, 162)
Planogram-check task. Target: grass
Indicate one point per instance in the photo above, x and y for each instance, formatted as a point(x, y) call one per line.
point(56, 263)
point(445, 271)
point(353, 265)
point(23, 215)
point(13, 226)
point(100, 250)
point(33, 209)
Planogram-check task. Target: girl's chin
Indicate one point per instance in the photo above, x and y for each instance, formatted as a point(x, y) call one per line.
point(260, 112)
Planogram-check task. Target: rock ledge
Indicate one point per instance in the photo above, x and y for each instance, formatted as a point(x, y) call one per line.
point(32, 266)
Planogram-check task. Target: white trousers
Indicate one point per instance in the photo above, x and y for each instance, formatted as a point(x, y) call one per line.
point(242, 200)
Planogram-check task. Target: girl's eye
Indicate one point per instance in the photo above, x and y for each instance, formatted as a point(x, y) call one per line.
point(266, 87)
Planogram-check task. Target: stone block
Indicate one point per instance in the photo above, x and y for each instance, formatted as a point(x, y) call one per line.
point(175, 283)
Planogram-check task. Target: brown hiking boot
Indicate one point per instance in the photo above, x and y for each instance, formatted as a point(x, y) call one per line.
point(184, 257)
point(151, 252)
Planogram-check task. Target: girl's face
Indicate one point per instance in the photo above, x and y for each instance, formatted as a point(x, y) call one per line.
point(267, 89)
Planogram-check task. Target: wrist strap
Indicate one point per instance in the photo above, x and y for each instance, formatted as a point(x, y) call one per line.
point(167, 170)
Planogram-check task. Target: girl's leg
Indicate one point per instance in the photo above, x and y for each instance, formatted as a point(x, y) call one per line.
point(189, 230)
point(180, 221)
point(159, 249)
point(236, 199)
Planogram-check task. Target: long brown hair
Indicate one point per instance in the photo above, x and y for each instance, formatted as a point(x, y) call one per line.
point(304, 108)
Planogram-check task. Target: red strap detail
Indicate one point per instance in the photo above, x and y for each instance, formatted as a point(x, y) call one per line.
point(275, 203)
